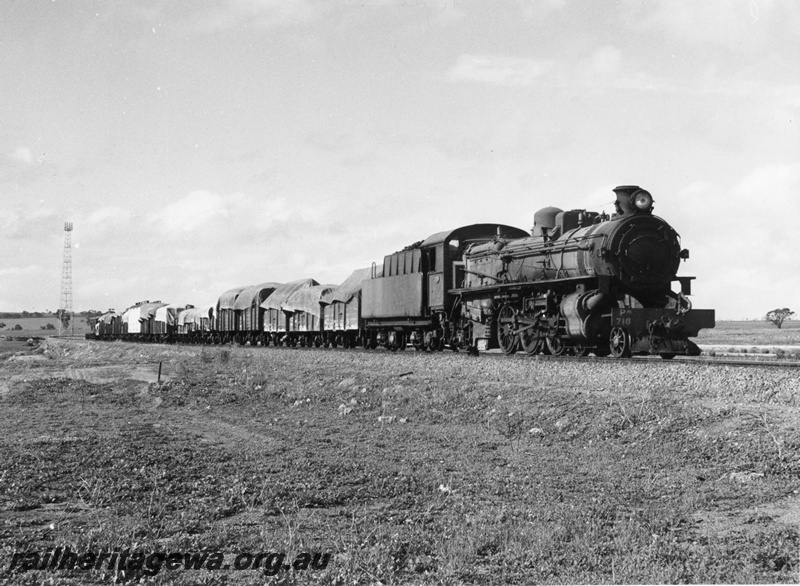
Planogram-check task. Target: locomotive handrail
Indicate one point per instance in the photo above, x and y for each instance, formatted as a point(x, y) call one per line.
point(567, 246)
point(483, 275)
point(543, 285)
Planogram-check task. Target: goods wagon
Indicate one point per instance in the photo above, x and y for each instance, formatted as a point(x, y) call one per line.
point(249, 314)
point(227, 326)
point(342, 311)
point(165, 321)
point(103, 325)
point(196, 325)
point(276, 321)
point(304, 313)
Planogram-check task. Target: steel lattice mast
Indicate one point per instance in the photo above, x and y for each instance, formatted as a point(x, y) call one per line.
point(65, 308)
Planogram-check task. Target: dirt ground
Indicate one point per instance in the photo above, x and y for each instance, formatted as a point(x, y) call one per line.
point(408, 468)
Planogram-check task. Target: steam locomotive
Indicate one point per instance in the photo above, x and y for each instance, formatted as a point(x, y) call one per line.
point(581, 282)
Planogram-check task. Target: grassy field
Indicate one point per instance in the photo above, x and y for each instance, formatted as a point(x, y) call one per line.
point(36, 326)
point(407, 468)
point(761, 333)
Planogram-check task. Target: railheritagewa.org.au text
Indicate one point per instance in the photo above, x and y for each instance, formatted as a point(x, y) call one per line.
point(151, 563)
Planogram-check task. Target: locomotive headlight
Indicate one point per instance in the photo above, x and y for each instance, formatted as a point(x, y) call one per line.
point(643, 200)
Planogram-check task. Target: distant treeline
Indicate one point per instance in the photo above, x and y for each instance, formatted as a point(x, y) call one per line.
point(24, 314)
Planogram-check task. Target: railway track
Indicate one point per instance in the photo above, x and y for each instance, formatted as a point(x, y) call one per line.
point(701, 360)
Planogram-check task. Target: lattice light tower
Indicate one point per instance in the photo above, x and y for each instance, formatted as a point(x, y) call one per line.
point(65, 307)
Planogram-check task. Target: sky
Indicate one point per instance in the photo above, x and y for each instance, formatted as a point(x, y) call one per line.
point(202, 145)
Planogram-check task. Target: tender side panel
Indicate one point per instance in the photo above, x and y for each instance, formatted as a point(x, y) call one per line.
point(436, 287)
point(400, 296)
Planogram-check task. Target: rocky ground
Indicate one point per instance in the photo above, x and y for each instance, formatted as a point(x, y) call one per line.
point(406, 467)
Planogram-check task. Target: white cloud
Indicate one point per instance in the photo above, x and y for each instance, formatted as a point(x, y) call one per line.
point(534, 9)
point(193, 211)
point(606, 60)
point(109, 215)
point(739, 25)
point(228, 216)
point(743, 240)
point(20, 271)
point(499, 69)
point(23, 154)
point(259, 13)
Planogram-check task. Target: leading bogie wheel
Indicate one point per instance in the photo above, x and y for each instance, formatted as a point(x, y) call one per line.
point(620, 343)
point(581, 350)
point(556, 346)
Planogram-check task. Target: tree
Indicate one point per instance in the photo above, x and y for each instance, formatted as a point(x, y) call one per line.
point(91, 317)
point(778, 316)
point(64, 317)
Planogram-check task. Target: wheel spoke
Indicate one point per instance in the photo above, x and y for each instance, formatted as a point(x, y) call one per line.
point(619, 342)
point(530, 343)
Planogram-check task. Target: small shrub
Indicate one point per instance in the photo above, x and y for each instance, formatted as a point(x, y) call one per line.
point(17, 327)
point(224, 356)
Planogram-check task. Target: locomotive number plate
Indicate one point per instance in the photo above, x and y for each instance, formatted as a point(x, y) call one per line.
point(623, 317)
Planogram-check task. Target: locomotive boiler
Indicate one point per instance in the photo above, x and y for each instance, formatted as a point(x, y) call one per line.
point(583, 282)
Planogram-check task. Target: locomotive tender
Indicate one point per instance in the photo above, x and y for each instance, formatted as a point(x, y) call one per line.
point(581, 282)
